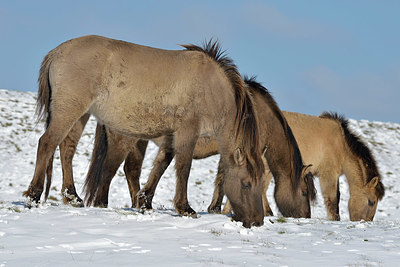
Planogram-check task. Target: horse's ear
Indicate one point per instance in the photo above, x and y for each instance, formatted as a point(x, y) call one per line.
point(305, 170)
point(373, 183)
point(238, 156)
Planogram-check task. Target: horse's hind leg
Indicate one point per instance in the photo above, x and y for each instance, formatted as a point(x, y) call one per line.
point(330, 191)
point(218, 195)
point(67, 152)
point(61, 122)
point(47, 146)
point(164, 157)
point(66, 109)
point(185, 142)
point(133, 168)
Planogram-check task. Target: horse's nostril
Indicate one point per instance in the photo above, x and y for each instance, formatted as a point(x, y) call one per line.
point(236, 218)
point(258, 224)
point(246, 224)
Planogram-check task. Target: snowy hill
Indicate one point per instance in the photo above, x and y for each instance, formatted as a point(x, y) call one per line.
point(56, 234)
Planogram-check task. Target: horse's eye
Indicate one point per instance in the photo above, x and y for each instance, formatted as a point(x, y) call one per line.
point(304, 193)
point(371, 203)
point(246, 186)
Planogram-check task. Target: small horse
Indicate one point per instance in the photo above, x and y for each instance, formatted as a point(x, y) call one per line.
point(283, 157)
point(145, 93)
point(333, 149)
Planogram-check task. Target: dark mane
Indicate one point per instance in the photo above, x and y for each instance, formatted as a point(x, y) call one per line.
point(360, 149)
point(246, 124)
point(297, 160)
point(258, 87)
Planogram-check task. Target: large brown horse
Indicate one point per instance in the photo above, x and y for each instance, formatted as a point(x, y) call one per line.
point(292, 194)
point(146, 93)
point(333, 149)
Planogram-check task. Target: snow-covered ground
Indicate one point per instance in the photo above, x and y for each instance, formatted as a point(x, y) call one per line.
point(59, 235)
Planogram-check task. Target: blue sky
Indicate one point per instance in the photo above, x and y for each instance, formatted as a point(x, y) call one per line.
point(341, 56)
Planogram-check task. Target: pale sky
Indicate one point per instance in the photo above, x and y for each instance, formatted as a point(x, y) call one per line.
point(313, 56)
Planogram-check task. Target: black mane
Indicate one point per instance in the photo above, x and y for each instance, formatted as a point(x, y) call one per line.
point(360, 149)
point(297, 159)
point(246, 124)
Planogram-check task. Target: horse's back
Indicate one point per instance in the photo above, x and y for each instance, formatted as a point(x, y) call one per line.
point(320, 140)
point(140, 90)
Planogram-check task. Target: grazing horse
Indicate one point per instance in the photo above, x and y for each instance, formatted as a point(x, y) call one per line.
point(292, 194)
point(145, 93)
point(333, 149)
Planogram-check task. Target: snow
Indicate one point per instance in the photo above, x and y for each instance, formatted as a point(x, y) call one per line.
point(56, 234)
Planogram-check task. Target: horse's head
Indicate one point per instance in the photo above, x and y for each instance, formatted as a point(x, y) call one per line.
point(363, 202)
point(294, 201)
point(243, 191)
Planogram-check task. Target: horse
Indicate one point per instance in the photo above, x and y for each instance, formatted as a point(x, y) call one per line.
point(283, 156)
point(328, 143)
point(145, 93)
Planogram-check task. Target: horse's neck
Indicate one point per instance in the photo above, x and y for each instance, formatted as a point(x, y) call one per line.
point(279, 151)
point(355, 172)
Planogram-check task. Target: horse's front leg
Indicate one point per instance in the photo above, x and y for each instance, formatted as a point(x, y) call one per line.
point(185, 142)
point(67, 152)
point(218, 195)
point(164, 157)
point(267, 177)
point(330, 191)
point(117, 152)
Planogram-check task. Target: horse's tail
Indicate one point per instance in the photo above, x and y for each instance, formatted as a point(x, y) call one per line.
point(44, 92)
point(43, 107)
point(360, 149)
point(96, 164)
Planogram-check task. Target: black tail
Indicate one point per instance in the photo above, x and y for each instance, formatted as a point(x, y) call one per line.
point(96, 164)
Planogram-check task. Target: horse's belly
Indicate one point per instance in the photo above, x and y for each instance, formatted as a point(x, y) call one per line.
point(141, 121)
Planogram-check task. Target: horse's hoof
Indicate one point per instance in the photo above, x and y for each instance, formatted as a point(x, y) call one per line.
point(101, 205)
point(72, 199)
point(32, 204)
point(77, 203)
point(145, 211)
point(269, 213)
point(214, 209)
point(193, 215)
point(144, 201)
point(189, 212)
point(34, 197)
point(247, 224)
